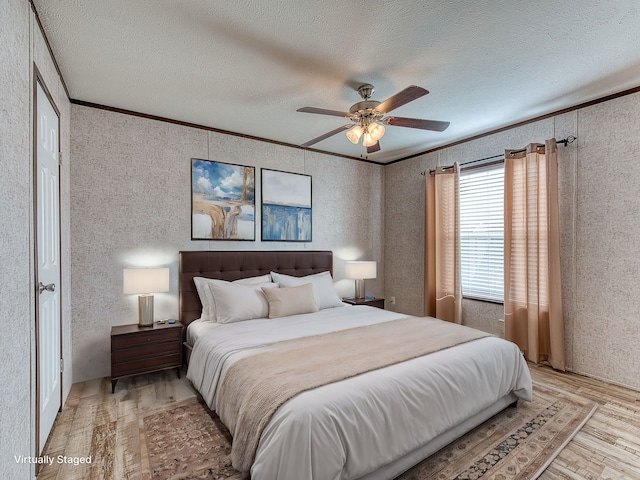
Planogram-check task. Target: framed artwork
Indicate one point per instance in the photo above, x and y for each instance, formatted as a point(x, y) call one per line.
point(286, 206)
point(222, 201)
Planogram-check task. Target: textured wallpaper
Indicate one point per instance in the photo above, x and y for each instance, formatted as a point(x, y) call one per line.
point(140, 169)
point(606, 341)
point(15, 194)
point(600, 233)
point(130, 205)
point(21, 45)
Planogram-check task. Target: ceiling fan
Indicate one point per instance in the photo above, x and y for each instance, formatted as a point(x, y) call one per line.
point(369, 117)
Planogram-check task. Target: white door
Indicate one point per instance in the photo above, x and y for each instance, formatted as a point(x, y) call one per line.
point(47, 266)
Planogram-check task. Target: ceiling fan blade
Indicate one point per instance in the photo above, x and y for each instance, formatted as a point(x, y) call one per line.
point(374, 148)
point(322, 111)
point(417, 123)
point(327, 135)
point(405, 96)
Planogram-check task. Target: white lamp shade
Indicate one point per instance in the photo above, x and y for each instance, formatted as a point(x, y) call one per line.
point(145, 280)
point(376, 131)
point(360, 269)
point(354, 134)
point(367, 140)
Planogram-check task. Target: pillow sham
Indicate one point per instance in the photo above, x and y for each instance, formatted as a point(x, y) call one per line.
point(290, 300)
point(202, 288)
point(266, 278)
point(323, 290)
point(236, 302)
point(206, 298)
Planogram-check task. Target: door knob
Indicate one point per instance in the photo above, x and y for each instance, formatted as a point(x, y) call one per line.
point(49, 288)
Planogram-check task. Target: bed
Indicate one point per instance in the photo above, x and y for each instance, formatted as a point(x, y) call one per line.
point(373, 425)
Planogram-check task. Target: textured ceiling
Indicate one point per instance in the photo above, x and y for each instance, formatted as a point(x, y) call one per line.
point(247, 65)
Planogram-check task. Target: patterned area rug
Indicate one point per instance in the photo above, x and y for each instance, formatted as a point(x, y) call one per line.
point(517, 443)
point(187, 441)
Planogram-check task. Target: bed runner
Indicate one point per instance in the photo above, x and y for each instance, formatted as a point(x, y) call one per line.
point(255, 386)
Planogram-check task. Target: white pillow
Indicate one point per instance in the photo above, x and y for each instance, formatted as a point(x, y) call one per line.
point(290, 301)
point(266, 278)
point(323, 290)
point(208, 314)
point(236, 302)
point(206, 298)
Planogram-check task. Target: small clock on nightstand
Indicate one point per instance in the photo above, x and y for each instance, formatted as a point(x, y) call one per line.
point(369, 301)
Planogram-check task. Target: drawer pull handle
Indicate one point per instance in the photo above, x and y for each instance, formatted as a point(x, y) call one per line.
point(148, 339)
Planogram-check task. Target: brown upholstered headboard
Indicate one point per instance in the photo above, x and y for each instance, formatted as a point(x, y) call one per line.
point(232, 265)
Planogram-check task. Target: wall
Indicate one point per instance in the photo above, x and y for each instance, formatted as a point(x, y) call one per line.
point(607, 269)
point(130, 206)
point(21, 44)
point(15, 280)
point(600, 233)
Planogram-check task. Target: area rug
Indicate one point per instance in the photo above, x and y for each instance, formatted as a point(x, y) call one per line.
point(187, 441)
point(517, 443)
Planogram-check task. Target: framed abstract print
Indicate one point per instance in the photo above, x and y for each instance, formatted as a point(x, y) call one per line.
point(286, 206)
point(222, 201)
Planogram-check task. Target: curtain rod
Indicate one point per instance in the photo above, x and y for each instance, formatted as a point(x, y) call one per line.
point(564, 141)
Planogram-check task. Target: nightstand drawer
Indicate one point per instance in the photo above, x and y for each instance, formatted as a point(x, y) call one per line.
point(145, 337)
point(147, 350)
point(136, 350)
point(150, 364)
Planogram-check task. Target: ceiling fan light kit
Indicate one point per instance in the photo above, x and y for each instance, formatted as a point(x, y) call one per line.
point(369, 117)
point(365, 116)
point(370, 134)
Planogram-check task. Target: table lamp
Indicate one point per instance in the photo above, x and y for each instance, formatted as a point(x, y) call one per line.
point(146, 281)
point(359, 270)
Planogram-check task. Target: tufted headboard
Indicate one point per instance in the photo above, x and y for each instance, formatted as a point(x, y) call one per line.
point(232, 265)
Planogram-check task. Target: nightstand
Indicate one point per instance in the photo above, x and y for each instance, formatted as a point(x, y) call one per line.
point(371, 302)
point(136, 350)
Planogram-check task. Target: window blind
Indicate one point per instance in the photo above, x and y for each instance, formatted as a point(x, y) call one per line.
point(482, 232)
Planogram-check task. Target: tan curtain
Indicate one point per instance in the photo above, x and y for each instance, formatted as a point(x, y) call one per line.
point(532, 291)
point(443, 293)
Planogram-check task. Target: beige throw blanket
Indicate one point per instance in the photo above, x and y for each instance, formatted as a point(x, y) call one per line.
point(255, 386)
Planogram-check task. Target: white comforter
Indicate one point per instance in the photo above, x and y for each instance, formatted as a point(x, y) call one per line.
point(351, 428)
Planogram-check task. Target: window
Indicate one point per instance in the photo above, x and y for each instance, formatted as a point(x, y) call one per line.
point(482, 232)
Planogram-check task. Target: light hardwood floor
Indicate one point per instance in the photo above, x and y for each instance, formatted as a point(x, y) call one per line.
point(107, 427)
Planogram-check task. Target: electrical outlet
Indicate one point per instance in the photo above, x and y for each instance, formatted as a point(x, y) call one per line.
point(392, 300)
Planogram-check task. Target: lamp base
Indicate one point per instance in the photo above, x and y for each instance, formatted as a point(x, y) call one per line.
point(145, 310)
point(360, 288)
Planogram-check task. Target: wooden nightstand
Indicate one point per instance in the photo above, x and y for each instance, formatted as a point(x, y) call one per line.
point(136, 350)
point(371, 302)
